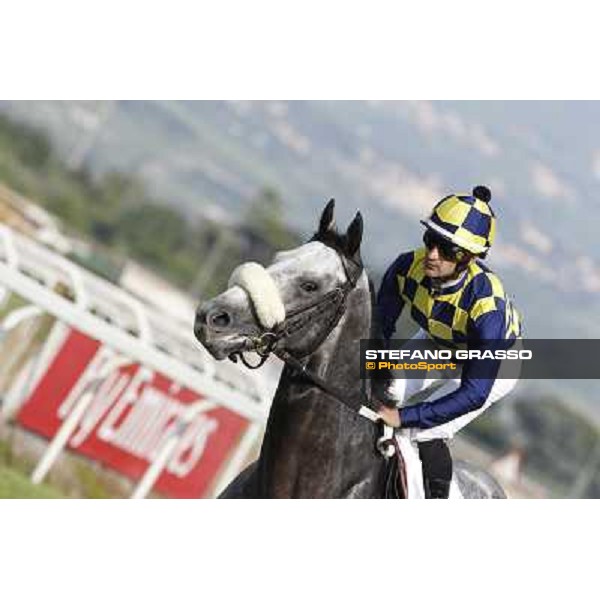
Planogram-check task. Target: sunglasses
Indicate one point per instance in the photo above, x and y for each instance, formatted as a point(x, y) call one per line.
point(447, 249)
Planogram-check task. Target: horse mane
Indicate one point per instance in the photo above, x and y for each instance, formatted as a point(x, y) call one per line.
point(375, 325)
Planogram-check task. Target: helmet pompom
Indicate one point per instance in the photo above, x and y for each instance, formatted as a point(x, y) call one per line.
point(482, 193)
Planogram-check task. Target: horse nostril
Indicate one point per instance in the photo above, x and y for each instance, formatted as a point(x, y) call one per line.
point(219, 319)
point(198, 326)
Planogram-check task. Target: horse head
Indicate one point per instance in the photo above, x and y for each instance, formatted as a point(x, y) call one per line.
point(291, 305)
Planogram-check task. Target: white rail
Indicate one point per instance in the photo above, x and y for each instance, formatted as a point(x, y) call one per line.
point(119, 320)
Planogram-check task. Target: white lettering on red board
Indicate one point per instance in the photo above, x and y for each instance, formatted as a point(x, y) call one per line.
point(127, 412)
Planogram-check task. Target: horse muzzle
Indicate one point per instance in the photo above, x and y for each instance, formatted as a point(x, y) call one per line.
point(238, 319)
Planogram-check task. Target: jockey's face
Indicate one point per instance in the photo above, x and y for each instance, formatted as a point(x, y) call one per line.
point(443, 256)
point(437, 266)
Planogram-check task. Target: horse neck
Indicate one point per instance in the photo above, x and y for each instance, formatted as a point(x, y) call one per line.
point(314, 446)
point(338, 359)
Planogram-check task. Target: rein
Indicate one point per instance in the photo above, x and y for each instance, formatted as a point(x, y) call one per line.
point(267, 341)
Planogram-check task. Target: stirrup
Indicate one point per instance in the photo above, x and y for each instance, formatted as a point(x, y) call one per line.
point(385, 444)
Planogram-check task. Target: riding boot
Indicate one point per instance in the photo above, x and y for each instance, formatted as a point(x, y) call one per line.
point(438, 489)
point(437, 468)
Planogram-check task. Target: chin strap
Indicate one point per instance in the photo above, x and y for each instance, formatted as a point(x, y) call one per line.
point(437, 283)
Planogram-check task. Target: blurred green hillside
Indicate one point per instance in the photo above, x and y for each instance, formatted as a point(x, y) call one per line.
point(122, 219)
point(391, 160)
point(561, 447)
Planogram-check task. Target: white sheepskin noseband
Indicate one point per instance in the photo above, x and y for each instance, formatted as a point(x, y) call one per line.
point(264, 295)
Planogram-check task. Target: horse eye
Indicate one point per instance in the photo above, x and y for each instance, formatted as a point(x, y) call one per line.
point(309, 286)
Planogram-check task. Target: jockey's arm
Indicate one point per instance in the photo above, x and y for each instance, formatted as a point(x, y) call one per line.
point(478, 377)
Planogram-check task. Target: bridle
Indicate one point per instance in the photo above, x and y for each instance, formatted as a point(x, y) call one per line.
point(266, 342)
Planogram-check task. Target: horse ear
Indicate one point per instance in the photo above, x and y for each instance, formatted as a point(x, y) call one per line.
point(327, 220)
point(354, 234)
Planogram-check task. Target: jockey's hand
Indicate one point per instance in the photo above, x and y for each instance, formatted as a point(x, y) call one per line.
point(390, 416)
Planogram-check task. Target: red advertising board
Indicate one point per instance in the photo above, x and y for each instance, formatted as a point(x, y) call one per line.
point(131, 414)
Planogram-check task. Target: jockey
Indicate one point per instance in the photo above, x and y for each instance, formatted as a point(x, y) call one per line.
point(458, 302)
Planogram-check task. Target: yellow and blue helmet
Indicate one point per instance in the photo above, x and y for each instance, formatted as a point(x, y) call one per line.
point(466, 220)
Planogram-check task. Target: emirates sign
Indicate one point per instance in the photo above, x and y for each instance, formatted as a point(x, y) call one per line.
point(131, 414)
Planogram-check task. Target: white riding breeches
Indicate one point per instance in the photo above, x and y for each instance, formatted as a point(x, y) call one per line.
point(403, 389)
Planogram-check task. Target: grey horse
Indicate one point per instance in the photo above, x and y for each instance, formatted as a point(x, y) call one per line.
point(311, 307)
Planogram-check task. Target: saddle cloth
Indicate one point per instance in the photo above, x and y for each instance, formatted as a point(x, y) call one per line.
point(407, 469)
